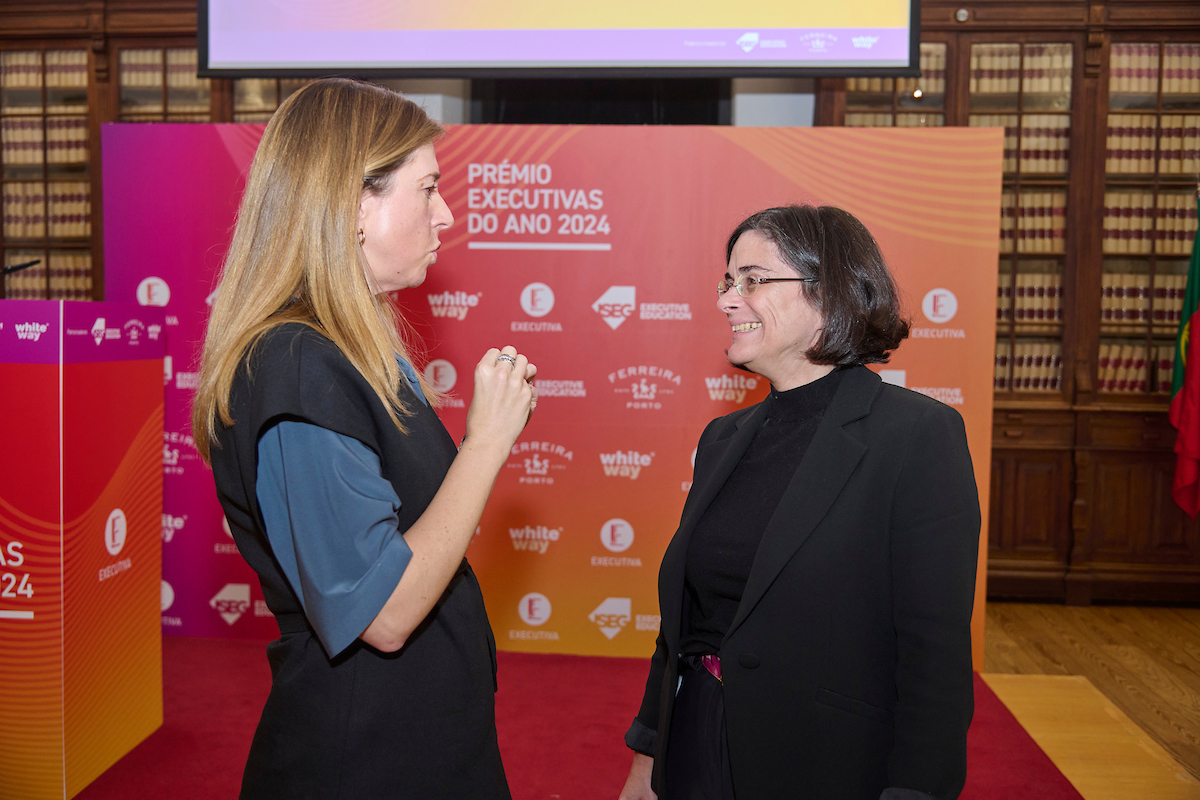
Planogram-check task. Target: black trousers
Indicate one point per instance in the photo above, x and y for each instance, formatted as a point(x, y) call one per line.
point(697, 758)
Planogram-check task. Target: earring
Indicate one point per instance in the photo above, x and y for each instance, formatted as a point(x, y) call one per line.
point(362, 237)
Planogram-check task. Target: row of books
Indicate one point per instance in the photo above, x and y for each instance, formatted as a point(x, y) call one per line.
point(32, 140)
point(1134, 222)
point(1045, 143)
point(932, 80)
point(31, 213)
point(1034, 367)
point(915, 119)
point(1036, 224)
point(1037, 367)
point(1037, 299)
point(1131, 144)
point(64, 68)
point(1121, 368)
point(145, 68)
point(997, 69)
point(1134, 69)
point(1010, 123)
point(69, 276)
point(1140, 298)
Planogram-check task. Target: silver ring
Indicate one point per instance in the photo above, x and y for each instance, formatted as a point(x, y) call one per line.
point(506, 357)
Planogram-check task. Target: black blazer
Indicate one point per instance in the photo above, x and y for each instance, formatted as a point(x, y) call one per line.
point(847, 669)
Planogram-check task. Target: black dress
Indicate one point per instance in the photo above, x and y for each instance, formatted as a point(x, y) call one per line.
point(417, 723)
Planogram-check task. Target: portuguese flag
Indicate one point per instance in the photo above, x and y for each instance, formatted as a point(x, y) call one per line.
point(1185, 392)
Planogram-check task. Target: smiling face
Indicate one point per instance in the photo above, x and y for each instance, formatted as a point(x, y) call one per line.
point(401, 226)
point(773, 328)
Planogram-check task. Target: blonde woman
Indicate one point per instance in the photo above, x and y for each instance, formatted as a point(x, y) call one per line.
point(342, 489)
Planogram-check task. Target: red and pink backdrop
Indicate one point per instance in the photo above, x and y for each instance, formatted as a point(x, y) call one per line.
point(596, 251)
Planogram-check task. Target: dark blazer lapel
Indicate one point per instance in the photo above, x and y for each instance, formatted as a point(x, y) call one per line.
point(671, 574)
point(823, 472)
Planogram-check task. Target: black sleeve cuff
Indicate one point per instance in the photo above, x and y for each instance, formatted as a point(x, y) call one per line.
point(894, 793)
point(641, 739)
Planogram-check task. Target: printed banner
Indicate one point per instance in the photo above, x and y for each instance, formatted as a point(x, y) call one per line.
point(80, 584)
point(596, 251)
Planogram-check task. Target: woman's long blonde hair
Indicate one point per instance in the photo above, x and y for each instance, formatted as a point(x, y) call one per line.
point(295, 255)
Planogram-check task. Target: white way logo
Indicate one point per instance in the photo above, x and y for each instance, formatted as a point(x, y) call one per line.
point(153, 292)
point(747, 42)
point(172, 525)
point(865, 42)
point(454, 305)
point(115, 529)
point(537, 299)
point(612, 615)
point(534, 609)
point(30, 330)
point(616, 535)
point(535, 539)
point(730, 387)
point(625, 463)
point(232, 601)
point(939, 305)
point(616, 305)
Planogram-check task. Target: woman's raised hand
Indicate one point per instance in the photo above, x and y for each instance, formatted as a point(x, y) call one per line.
point(504, 397)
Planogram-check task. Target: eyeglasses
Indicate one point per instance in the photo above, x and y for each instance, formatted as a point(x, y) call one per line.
point(748, 284)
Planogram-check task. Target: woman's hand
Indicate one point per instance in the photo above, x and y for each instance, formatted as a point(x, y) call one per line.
point(637, 785)
point(504, 397)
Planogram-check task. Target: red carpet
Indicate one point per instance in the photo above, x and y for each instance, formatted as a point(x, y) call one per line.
point(561, 721)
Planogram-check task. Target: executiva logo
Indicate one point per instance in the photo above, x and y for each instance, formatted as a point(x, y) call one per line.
point(730, 387)
point(453, 305)
point(625, 463)
point(30, 331)
point(231, 602)
point(534, 538)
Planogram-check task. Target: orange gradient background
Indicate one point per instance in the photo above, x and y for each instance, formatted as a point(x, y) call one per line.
point(80, 683)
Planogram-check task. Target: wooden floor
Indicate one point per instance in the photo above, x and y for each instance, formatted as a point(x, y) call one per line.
point(1145, 660)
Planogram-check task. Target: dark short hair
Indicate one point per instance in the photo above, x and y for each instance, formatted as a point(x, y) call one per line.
point(855, 292)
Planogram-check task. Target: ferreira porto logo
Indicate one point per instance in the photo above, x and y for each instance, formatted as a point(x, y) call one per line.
point(453, 305)
point(98, 330)
point(625, 463)
point(232, 601)
point(612, 615)
point(616, 305)
point(645, 385)
point(538, 461)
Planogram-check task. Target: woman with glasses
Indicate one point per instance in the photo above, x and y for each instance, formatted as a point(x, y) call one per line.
point(816, 599)
point(342, 489)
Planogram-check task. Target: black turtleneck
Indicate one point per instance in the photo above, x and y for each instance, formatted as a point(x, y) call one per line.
point(727, 535)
